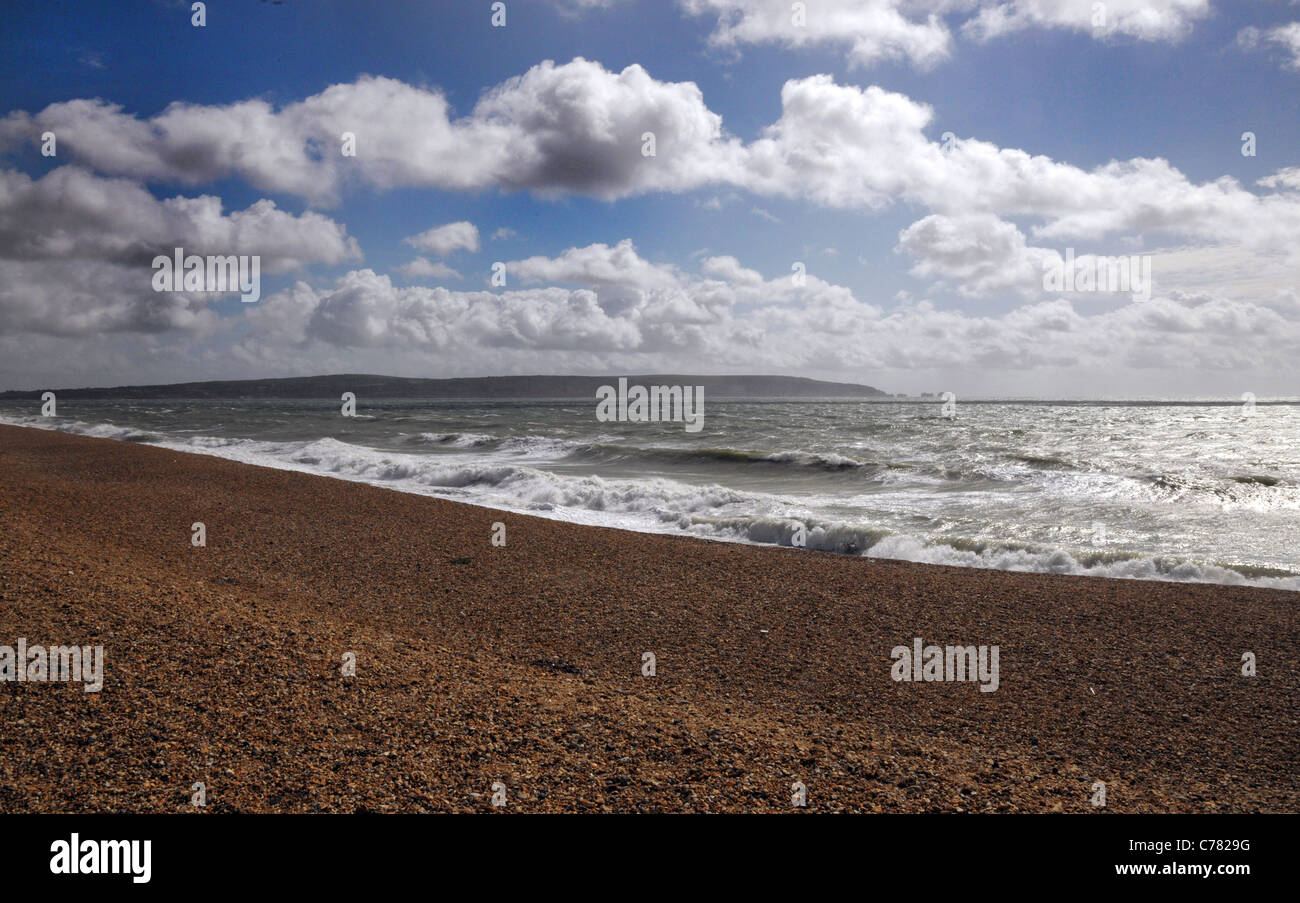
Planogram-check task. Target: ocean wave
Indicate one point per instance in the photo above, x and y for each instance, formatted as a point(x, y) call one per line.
point(714, 511)
point(81, 428)
point(827, 461)
point(1258, 479)
point(1251, 492)
point(210, 442)
point(1044, 461)
point(856, 539)
point(457, 440)
point(539, 446)
point(842, 538)
point(1061, 561)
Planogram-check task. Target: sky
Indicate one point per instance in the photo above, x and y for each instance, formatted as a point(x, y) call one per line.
point(886, 192)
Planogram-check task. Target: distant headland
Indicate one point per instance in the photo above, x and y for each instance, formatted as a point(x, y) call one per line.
point(478, 387)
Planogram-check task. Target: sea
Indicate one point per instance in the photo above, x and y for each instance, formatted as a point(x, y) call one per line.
point(1150, 490)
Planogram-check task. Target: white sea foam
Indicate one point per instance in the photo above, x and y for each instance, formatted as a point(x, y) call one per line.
point(914, 510)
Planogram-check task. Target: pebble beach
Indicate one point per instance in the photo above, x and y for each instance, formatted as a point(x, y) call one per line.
point(518, 671)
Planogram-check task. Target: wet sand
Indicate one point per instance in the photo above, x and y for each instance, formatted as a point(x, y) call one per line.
point(522, 664)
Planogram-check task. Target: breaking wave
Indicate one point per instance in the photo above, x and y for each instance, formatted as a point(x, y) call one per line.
point(510, 473)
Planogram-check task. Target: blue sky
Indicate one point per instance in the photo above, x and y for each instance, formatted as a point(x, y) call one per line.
point(959, 302)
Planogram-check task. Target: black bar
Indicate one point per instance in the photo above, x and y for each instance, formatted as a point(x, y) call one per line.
point(658, 853)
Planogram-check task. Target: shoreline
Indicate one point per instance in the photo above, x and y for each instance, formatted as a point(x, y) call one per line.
point(1122, 564)
point(522, 663)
